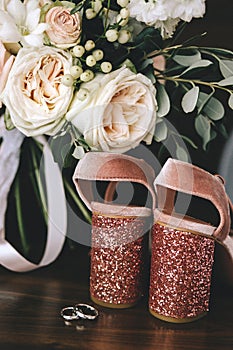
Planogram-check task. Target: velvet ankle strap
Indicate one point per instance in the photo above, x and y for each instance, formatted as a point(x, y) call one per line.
point(184, 177)
point(103, 166)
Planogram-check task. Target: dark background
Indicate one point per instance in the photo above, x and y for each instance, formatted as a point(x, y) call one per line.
point(218, 23)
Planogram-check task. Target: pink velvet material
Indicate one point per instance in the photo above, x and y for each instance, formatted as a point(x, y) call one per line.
point(111, 167)
point(184, 177)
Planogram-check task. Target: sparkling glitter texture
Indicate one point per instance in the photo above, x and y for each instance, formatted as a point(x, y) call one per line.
point(117, 259)
point(181, 267)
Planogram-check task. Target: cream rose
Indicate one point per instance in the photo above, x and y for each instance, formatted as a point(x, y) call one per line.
point(118, 113)
point(34, 95)
point(6, 61)
point(64, 29)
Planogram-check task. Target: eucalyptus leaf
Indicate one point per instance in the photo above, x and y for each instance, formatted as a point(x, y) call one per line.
point(230, 101)
point(161, 131)
point(203, 98)
point(129, 64)
point(213, 134)
point(163, 101)
point(218, 51)
point(188, 140)
point(78, 152)
point(226, 68)
point(65, 151)
point(226, 82)
point(189, 99)
point(202, 126)
point(187, 60)
point(223, 131)
point(181, 154)
point(198, 64)
point(146, 63)
point(214, 109)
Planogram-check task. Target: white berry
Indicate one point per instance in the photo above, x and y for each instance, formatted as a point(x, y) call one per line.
point(78, 50)
point(67, 80)
point(111, 35)
point(90, 14)
point(106, 67)
point(123, 3)
point(76, 71)
point(98, 54)
point(89, 45)
point(87, 75)
point(124, 36)
point(90, 61)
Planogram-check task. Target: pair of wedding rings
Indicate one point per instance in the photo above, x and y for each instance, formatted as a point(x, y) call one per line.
point(79, 311)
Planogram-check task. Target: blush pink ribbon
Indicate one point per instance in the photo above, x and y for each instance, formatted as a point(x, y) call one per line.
point(10, 258)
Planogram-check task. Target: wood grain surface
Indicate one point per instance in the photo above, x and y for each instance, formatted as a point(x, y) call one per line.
point(30, 306)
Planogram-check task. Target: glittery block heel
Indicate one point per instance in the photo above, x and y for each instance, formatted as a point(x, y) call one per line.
point(119, 243)
point(181, 268)
point(118, 255)
point(183, 247)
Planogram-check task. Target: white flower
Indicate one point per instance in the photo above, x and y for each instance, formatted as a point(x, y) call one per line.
point(34, 95)
point(64, 29)
point(19, 22)
point(186, 9)
point(165, 14)
point(6, 61)
point(118, 112)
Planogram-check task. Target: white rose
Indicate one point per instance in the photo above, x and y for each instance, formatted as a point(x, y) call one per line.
point(118, 113)
point(34, 95)
point(64, 29)
point(6, 61)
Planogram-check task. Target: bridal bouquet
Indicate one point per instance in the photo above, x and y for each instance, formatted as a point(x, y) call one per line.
point(106, 75)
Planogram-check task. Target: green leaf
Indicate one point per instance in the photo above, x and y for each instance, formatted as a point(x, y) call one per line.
point(163, 101)
point(8, 122)
point(218, 51)
point(226, 68)
point(78, 152)
point(214, 109)
point(226, 82)
point(160, 131)
point(129, 64)
point(187, 60)
point(187, 139)
point(198, 64)
point(203, 98)
point(202, 126)
point(146, 63)
point(189, 99)
point(181, 154)
point(223, 131)
point(230, 101)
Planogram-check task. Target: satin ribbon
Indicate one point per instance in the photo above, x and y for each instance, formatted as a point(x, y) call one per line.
point(10, 258)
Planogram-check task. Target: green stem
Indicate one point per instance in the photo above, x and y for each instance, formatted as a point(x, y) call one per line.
point(19, 213)
point(77, 201)
point(198, 82)
point(162, 51)
point(40, 187)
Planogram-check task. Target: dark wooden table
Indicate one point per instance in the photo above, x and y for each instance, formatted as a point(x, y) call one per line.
point(30, 305)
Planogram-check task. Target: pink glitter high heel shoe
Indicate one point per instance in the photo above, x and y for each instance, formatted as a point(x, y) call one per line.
point(119, 244)
point(183, 247)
